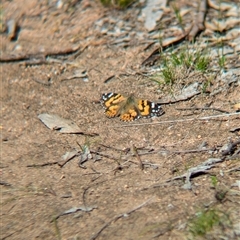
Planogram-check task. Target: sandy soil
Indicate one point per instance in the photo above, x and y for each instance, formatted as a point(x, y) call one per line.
point(35, 189)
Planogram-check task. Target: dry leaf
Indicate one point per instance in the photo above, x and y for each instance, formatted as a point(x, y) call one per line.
point(55, 122)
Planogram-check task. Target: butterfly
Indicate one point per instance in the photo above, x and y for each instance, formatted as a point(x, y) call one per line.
point(129, 108)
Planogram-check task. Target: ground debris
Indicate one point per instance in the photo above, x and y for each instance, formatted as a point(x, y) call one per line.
point(55, 122)
point(74, 210)
point(84, 156)
point(67, 157)
point(229, 148)
point(201, 168)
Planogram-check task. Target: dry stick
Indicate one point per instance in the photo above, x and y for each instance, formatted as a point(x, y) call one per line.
point(42, 82)
point(199, 21)
point(181, 120)
point(104, 155)
point(43, 164)
point(202, 108)
point(118, 217)
point(61, 164)
point(138, 158)
point(190, 151)
point(233, 169)
point(115, 149)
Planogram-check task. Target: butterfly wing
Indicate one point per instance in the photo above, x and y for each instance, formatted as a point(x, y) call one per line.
point(112, 103)
point(149, 109)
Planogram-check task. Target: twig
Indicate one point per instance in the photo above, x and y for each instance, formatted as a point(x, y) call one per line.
point(43, 164)
point(233, 169)
point(235, 129)
point(118, 217)
point(138, 157)
point(199, 21)
point(68, 157)
point(153, 165)
point(104, 155)
point(42, 82)
point(203, 108)
point(190, 151)
point(181, 120)
point(126, 150)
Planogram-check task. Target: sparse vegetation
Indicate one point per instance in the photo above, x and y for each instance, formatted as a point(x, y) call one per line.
point(122, 4)
point(178, 15)
point(178, 64)
point(204, 222)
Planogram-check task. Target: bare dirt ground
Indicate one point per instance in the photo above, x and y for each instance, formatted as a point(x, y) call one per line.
point(55, 43)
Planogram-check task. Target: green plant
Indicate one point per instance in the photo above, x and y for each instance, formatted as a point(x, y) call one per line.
point(221, 61)
point(168, 73)
point(201, 62)
point(204, 222)
point(122, 4)
point(178, 15)
point(214, 181)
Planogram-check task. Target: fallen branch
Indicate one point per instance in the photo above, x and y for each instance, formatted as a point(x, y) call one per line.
point(118, 217)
